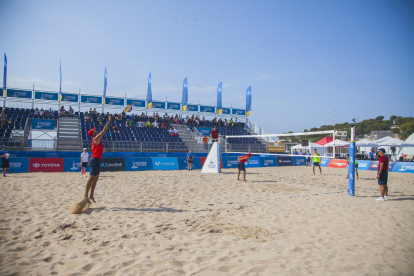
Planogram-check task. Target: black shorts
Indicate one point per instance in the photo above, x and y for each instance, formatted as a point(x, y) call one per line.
point(308, 160)
point(95, 166)
point(190, 160)
point(84, 164)
point(383, 179)
point(5, 163)
point(316, 164)
point(241, 166)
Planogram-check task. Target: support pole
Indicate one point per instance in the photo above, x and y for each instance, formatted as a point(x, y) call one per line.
point(351, 165)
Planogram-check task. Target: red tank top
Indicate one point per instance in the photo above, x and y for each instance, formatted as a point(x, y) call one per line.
point(97, 150)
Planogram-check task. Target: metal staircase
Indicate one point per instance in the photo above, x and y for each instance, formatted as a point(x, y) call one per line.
point(188, 137)
point(68, 134)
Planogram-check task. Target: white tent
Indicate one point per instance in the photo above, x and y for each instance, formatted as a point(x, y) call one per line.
point(338, 143)
point(366, 143)
point(320, 149)
point(395, 142)
point(409, 151)
point(383, 139)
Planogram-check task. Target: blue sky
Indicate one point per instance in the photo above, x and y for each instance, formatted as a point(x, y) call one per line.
point(303, 59)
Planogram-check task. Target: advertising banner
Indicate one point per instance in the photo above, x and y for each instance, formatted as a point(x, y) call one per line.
point(19, 93)
point(284, 161)
point(208, 109)
point(235, 111)
point(299, 160)
point(43, 124)
point(226, 110)
point(158, 105)
point(268, 161)
point(112, 164)
point(70, 97)
point(229, 162)
point(164, 163)
point(373, 166)
point(46, 96)
point(183, 163)
point(91, 99)
point(204, 131)
point(403, 167)
point(73, 165)
point(46, 165)
point(324, 162)
point(18, 165)
point(338, 163)
point(114, 101)
point(253, 162)
point(192, 107)
point(138, 164)
point(139, 103)
point(174, 106)
point(363, 165)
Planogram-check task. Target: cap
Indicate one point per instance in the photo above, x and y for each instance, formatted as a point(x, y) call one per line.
point(91, 131)
point(84, 149)
point(249, 154)
point(381, 149)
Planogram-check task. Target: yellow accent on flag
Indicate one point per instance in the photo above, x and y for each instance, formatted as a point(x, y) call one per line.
point(60, 98)
point(184, 108)
point(104, 101)
point(149, 105)
point(4, 93)
point(248, 113)
point(219, 111)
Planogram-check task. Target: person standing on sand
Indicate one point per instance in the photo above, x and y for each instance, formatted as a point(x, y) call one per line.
point(316, 161)
point(190, 160)
point(240, 164)
point(382, 175)
point(95, 162)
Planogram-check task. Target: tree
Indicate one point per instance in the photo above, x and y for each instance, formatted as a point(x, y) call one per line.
point(379, 118)
point(407, 129)
point(392, 118)
point(395, 130)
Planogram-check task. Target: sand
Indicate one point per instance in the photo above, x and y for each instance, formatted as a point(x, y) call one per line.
point(281, 221)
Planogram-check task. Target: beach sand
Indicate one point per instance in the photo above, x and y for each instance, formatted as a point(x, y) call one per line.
point(281, 221)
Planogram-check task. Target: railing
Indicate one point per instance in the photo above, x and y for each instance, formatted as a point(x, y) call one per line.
point(13, 143)
point(259, 131)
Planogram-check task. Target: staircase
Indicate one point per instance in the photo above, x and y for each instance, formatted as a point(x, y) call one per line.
point(188, 137)
point(68, 134)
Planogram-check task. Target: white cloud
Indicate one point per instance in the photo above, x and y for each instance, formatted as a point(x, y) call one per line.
point(28, 82)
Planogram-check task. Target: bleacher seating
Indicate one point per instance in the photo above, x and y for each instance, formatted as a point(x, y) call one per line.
point(18, 118)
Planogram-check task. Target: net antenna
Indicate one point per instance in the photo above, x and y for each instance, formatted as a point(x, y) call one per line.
point(246, 143)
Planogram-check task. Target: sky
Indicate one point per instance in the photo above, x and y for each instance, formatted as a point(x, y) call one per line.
point(303, 59)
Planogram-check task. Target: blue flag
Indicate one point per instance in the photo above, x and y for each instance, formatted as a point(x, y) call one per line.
point(219, 103)
point(249, 101)
point(105, 83)
point(4, 75)
point(60, 86)
point(149, 92)
point(184, 99)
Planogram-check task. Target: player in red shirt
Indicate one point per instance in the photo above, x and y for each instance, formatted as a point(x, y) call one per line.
point(95, 162)
point(240, 164)
point(382, 175)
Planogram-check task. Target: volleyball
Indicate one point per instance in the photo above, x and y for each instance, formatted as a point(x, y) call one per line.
point(128, 108)
point(7, 155)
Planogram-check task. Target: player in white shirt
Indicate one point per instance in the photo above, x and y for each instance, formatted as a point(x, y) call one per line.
point(84, 161)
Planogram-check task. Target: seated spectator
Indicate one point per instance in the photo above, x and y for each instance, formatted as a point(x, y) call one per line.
point(62, 111)
point(186, 120)
point(86, 117)
point(100, 119)
point(71, 112)
point(197, 122)
point(106, 115)
point(132, 122)
point(3, 118)
point(123, 115)
point(235, 121)
point(116, 129)
point(140, 124)
point(46, 113)
point(116, 118)
point(127, 124)
point(204, 119)
point(36, 111)
point(155, 124)
point(164, 125)
point(10, 122)
point(171, 131)
point(231, 122)
point(41, 112)
point(176, 131)
point(95, 112)
point(226, 123)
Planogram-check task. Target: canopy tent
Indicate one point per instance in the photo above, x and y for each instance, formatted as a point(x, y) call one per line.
point(408, 151)
point(320, 149)
point(338, 143)
point(366, 143)
point(324, 141)
point(395, 142)
point(383, 139)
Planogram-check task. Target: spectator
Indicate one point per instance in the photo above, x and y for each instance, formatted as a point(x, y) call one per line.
point(226, 123)
point(94, 112)
point(10, 122)
point(205, 142)
point(372, 155)
point(164, 125)
point(132, 123)
point(42, 112)
point(155, 124)
point(116, 129)
point(171, 131)
point(197, 121)
point(148, 124)
point(84, 161)
point(3, 118)
point(116, 117)
point(140, 124)
point(204, 119)
point(46, 113)
point(71, 112)
point(300, 152)
point(107, 116)
point(214, 135)
point(100, 119)
point(176, 131)
point(231, 122)
point(4, 154)
point(86, 117)
point(127, 123)
point(190, 159)
point(36, 111)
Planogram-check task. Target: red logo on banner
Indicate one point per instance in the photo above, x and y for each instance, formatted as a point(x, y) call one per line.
point(46, 165)
point(338, 163)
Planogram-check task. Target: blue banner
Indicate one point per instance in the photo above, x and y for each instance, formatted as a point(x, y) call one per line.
point(4, 75)
point(253, 162)
point(299, 160)
point(183, 163)
point(174, 106)
point(149, 92)
point(284, 161)
point(192, 107)
point(91, 99)
point(219, 102)
point(60, 85)
point(138, 164)
point(225, 110)
point(114, 101)
point(46, 96)
point(268, 161)
point(43, 124)
point(19, 93)
point(324, 162)
point(18, 165)
point(164, 163)
point(158, 105)
point(403, 167)
point(363, 165)
point(184, 98)
point(235, 111)
point(209, 109)
point(204, 131)
point(74, 165)
point(69, 97)
point(373, 166)
point(139, 103)
point(229, 162)
point(105, 83)
point(248, 101)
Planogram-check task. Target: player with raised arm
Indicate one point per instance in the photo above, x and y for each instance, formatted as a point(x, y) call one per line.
point(240, 164)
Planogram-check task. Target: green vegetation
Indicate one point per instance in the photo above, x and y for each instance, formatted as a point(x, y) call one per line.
point(405, 127)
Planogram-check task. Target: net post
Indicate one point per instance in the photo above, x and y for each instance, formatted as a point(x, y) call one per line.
point(333, 144)
point(351, 164)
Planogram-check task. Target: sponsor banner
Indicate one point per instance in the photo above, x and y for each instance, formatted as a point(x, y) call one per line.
point(138, 164)
point(69, 98)
point(139, 103)
point(338, 163)
point(324, 162)
point(19, 93)
point(235, 111)
point(43, 124)
point(192, 107)
point(403, 167)
point(373, 166)
point(229, 162)
point(18, 165)
point(268, 161)
point(204, 131)
point(174, 106)
point(46, 96)
point(226, 110)
point(362, 165)
point(183, 163)
point(73, 165)
point(299, 160)
point(209, 109)
point(112, 164)
point(164, 163)
point(284, 161)
point(253, 162)
point(46, 165)
point(158, 105)
point(114, 101)
point(91, 99)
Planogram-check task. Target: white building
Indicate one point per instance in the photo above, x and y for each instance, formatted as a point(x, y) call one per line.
point(341, 134)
